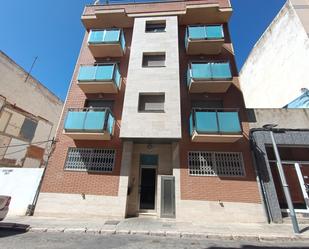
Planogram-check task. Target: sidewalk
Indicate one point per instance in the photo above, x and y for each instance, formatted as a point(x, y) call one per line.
point(159, 227)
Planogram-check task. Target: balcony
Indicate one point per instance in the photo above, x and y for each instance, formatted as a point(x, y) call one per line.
point(101, 78)
point(89, 124)
point(215, 125)
point(211, 77)
point(115, 13)
point(204, 39)
point(107, 43)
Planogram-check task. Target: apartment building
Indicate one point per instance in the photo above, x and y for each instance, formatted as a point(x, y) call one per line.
point(154, 122)
point(275, 74)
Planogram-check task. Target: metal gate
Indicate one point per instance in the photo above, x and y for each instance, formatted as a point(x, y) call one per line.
point(167, 197)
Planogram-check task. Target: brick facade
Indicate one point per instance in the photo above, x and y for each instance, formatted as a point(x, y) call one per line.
point(57, 180)
point(212, 188)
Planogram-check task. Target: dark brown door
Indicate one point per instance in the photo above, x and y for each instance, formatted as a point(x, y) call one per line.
point(147, 189)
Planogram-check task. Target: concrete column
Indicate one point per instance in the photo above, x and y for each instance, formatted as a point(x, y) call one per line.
point(126, 162)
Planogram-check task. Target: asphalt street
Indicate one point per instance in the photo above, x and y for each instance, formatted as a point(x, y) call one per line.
point(10, 239)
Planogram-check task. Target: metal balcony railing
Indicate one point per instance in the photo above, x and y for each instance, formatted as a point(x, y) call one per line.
point(89, 120)
point(215, 121)
point(205, 71)
point(100, 73)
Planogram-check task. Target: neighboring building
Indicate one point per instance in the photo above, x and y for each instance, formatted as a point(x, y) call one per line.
point(154, 122)
point(292, 139)
point(276, 71)
point(29, 114)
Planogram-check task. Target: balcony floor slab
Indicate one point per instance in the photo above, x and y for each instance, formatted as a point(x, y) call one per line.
point(215, 138)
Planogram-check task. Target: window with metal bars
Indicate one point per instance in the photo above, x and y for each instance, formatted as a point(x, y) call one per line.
point(205, 163)
point(90, 159)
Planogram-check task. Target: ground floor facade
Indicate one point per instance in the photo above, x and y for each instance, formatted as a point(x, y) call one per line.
point(163, 179)
point(293, 147)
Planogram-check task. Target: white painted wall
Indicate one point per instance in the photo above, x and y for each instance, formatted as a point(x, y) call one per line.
point(153, 80)
point(277, 67)
point(21, 185)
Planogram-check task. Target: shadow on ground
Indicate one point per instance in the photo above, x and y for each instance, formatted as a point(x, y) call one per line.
point(11, 229)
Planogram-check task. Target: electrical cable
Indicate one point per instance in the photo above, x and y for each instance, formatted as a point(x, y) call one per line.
point(17, 145)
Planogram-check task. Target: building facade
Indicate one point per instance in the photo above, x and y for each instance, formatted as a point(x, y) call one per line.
point(154, 122)
point(29, 115)
point(275, 74)
point(292, 139)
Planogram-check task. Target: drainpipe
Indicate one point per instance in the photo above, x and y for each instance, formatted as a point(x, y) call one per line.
point(31, 208)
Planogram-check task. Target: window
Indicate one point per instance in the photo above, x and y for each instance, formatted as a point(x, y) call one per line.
point(98, 103)
point(154, 60)
point(151, 102)
point(155, 26)
point(28, 129)
point(90, 159)
point(204, 163)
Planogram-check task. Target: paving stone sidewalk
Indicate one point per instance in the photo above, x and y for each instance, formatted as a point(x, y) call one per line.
point(159, 227)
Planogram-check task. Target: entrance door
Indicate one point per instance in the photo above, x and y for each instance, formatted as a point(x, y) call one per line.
point(147, 189)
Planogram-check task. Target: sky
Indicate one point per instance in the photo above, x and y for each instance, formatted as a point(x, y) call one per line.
point(52, 30)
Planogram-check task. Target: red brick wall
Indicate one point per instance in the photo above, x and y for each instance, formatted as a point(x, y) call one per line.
point(212, 188)
point(56, 179)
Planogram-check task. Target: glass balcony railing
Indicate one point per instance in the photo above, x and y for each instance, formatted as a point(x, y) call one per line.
point(107, 36)
point(203, 33)
point(209, 71)
point(212, 32)
point(100, 73)
point(215, 121)
point(89, 120)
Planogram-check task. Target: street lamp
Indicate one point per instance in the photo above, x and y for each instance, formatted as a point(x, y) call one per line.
point(285, 186)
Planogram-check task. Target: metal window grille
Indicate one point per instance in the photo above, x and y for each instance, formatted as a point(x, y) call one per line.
point(203, 163)
point(90, 159)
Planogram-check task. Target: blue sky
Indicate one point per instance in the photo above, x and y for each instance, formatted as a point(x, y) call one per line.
point(52, 30)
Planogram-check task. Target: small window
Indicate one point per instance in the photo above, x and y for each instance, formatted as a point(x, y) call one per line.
point(151, 102)
point(28, 129)
point(154, 60)
point(155, 26)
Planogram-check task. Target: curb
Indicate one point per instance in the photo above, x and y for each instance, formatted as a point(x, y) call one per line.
point(172, 234)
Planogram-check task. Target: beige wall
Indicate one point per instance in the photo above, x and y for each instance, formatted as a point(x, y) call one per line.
point(15, 153)
point(284, 118)
point(302, 9)
point(165, 167)
point(20, 100)
point(31, 96)
point(153, 80)
point(74, 205)
point(277, 67)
